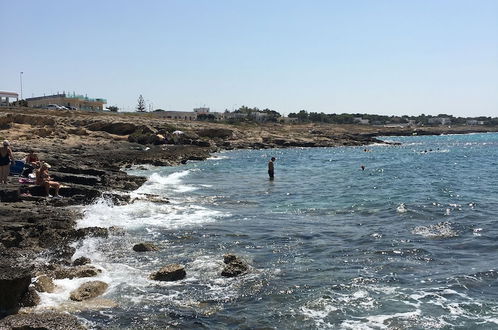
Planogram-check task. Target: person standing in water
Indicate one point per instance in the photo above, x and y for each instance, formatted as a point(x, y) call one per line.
point(271, 168)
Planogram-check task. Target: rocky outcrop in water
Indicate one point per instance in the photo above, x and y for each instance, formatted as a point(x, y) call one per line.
point(144, 247)
point(75, 272)
point(234, 266)
point(44, 283)
point(89, 290)
point(41, 321)
point(173, 272)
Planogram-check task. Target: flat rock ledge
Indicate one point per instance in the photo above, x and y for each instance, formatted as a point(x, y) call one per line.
point(88, 290)
point(173, 272)
point(41, 321)
point(234, 266)
point(75, 272)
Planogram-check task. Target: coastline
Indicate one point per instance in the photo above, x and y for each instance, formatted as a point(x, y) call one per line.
point(88, 151)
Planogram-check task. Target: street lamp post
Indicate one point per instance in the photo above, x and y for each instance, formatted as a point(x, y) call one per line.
point(20, 78)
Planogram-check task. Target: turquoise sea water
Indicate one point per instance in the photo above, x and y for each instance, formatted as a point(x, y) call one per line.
point(408, 243)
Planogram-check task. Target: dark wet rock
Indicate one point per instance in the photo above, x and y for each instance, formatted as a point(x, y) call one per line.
point(14, 283)
point(44, 283)
point(91, 232)
point(235, 266)
point(76, 272)
point(11, 238)
point(41, 321)
point(202, 143)
point(84, 179)
point(89, 290)
point(222, 133)
point(30, 298)
point(9, 193)
point(173, 272)
point(145, 247)
point(81, 261)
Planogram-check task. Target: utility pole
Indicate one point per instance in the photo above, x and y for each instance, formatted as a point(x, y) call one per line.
point(20, 78)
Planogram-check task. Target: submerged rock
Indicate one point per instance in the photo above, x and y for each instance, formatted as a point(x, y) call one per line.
point(173, 272)
point(145, 247)
point(88, 290)
point(41, 321)
point(44, 284)
point(234, 266)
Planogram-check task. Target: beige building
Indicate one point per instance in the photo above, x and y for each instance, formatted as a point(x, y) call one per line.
point(72, 101)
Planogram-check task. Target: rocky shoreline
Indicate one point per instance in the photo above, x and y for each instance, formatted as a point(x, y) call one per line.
point(88, 152)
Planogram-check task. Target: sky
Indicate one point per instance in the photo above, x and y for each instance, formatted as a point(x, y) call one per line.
point(378, 56)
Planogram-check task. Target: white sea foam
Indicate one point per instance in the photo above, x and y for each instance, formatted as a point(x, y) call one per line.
point(217, 157)
point(145, 214)
point(401, 208)
point(158, 183)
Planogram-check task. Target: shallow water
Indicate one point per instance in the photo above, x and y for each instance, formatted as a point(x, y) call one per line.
point(408, 243)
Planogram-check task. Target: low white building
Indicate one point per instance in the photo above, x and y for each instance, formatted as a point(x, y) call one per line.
point(178, 115)
point(361, 121)
point(440, 120)
point(6, 96)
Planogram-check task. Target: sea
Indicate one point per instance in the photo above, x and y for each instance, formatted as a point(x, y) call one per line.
point(408, 242)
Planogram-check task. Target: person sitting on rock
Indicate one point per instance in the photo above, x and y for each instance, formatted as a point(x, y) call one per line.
point(32, 162)
point(43, 179)
point(5, 160)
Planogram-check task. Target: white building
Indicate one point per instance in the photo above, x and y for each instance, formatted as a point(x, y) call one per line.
point(440, 120)
point(6, 96)
point(361, 121)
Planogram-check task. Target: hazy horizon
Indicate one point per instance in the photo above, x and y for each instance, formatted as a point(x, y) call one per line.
point(376, 57)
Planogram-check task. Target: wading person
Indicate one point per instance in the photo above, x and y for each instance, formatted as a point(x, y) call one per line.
point(271, 168)
point(5, 159)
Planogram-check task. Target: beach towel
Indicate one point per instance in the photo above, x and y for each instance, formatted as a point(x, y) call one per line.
point(16, 167)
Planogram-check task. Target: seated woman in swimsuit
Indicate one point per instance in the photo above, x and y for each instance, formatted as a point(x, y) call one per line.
point(43, 179)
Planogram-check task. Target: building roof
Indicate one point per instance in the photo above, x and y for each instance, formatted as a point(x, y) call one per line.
point(8, 94)
point(68, 96)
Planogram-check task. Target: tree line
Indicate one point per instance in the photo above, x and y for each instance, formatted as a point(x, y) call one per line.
point(347, 118)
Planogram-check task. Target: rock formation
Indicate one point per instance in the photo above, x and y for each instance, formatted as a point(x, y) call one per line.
point(89, 290)
point(173, 272)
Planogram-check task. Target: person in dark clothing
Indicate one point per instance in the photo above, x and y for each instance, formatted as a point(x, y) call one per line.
point(32, 162)
point(271, 168)
point(5, 159)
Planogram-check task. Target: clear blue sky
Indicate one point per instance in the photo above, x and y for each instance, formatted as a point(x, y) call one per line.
point(384, 57)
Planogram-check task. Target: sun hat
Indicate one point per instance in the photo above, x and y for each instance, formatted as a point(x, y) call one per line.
point(6, 143)
point(47, 165)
